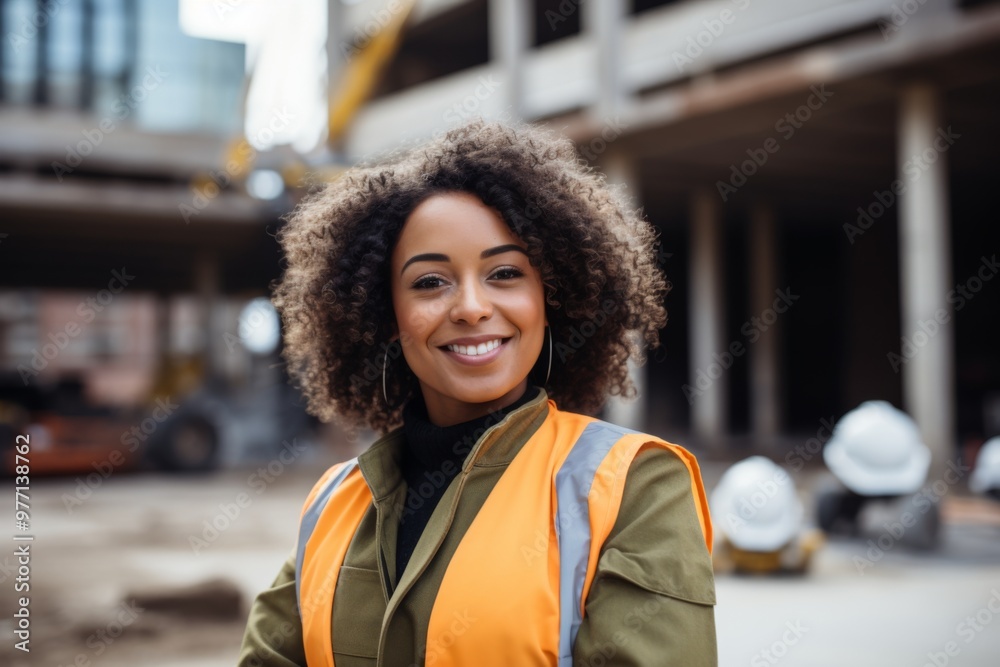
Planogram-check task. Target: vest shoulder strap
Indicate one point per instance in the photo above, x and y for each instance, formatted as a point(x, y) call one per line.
point(539, 537)
point(328, 533)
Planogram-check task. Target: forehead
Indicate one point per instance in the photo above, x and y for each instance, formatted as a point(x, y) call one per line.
point(453, 223)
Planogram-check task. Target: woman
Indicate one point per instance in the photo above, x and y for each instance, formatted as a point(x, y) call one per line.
point(470, 299)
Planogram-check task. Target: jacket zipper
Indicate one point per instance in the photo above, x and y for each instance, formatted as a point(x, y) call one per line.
point(451, 517)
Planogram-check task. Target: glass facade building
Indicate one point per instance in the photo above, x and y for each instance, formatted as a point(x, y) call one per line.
point(127, 60)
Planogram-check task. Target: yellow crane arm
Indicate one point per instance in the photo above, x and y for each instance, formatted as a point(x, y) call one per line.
point(362, 72)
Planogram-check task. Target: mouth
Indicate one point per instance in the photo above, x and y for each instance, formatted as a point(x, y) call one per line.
point(475, 354)
point(475, 350)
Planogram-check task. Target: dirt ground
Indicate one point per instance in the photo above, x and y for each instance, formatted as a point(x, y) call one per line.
point(139, 572)
point(134, 573)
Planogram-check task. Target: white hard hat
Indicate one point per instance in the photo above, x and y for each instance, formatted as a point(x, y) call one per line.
point(756, 505)
point(877, 450)
point(986, 476)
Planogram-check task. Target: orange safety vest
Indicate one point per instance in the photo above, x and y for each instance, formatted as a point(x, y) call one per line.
point(537, 538)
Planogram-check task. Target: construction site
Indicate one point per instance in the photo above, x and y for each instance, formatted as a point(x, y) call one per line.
point(820, 175)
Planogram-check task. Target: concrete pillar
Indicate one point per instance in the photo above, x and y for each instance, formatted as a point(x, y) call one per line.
point(765, 367)
point(603, 20)
point(925, 275)
point(620, 170)
point(708, 387)
point(510, 26)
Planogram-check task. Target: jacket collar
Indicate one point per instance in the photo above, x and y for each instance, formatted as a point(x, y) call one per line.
point(503, 438)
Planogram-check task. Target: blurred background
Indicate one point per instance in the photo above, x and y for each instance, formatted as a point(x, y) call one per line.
point(822, 174)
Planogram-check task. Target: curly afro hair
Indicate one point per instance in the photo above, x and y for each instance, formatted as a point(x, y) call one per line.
point(595, 253)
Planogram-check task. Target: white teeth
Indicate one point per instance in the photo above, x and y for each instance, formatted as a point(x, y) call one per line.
point(475, 350)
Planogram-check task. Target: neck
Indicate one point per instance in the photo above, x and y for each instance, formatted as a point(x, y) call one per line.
point(442, 411)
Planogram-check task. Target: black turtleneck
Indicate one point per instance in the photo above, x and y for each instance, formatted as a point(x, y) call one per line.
point(432, 457)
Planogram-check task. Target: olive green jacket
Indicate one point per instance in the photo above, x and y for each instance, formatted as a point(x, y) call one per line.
point(651, 602)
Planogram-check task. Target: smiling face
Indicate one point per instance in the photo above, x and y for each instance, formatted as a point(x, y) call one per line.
point(469, 307)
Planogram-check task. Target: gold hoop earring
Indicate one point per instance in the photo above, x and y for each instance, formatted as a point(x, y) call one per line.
point(549, 371)
point(385, 362)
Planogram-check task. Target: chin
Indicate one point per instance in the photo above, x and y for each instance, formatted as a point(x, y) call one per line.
point(484, 393)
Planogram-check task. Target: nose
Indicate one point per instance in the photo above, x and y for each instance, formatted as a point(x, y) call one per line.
point(472, 304)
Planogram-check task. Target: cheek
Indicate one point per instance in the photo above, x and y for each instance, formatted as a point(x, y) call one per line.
point(530, 311)
point(415, 321)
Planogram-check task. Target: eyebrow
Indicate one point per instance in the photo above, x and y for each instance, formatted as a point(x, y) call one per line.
point(438, 257)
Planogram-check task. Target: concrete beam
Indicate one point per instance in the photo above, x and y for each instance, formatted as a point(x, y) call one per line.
point(137, 201)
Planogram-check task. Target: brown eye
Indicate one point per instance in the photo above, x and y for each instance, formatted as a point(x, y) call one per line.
point(427, 282)
point(508, 273)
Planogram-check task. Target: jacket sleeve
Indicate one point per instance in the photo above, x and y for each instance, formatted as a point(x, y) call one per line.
point(653, 596)
point(273, 636)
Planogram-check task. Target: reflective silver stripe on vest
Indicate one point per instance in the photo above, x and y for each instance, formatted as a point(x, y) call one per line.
point(311, 517)
point(573, 483)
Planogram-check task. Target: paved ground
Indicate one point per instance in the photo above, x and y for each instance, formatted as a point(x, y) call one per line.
point(133, 535)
